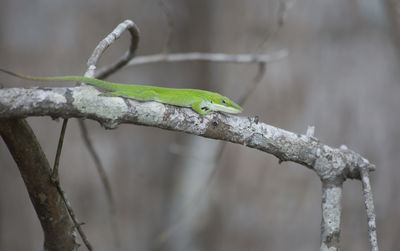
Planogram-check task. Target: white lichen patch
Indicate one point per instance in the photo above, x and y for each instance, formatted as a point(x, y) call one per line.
point(150, 113)
point(32, 98)
point(87, 99)
point(42, 198)
point(331, 208)
point(54, 97)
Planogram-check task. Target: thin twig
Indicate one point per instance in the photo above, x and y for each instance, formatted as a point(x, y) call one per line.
point(98, 164)
point(54, 176)
point(56, 180)
point(110, 39)
point(369, 206)
point(103, 177)
point(284, 6)
point(73, 217)
point(213, 57)
point(262, 67)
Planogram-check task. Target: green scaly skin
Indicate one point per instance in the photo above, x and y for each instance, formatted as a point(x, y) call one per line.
point(203, 102)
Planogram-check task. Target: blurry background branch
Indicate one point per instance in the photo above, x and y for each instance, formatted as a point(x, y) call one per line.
point(213, 57)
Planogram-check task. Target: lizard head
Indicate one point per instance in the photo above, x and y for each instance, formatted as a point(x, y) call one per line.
point(221, 103)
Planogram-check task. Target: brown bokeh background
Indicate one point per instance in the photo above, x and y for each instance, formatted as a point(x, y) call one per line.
point(341, 75)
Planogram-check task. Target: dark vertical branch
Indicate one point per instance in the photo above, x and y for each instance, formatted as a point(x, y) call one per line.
point(59, 231)
point(54, 176)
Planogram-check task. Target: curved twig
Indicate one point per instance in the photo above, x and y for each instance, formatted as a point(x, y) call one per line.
point(105, 43)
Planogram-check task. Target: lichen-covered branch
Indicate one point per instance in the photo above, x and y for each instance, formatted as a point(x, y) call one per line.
point(85, 102)
point(370, 209)
point(331, 212)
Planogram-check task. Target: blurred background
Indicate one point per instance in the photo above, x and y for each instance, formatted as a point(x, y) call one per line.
point(341, 75)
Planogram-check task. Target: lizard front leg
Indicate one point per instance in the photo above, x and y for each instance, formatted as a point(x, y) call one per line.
point(201, 108)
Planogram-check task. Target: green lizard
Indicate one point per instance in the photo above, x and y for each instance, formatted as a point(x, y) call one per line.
point(203, 102)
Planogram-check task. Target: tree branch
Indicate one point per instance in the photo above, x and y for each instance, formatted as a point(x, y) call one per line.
point(85, 102)
point(369, 206)
point(58, 229)
point(331, 212)
point(105, 43)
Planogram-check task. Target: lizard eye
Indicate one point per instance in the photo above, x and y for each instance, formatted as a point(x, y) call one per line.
point(223, 101)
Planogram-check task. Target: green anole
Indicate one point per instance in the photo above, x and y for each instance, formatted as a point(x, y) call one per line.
point(203, 102)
